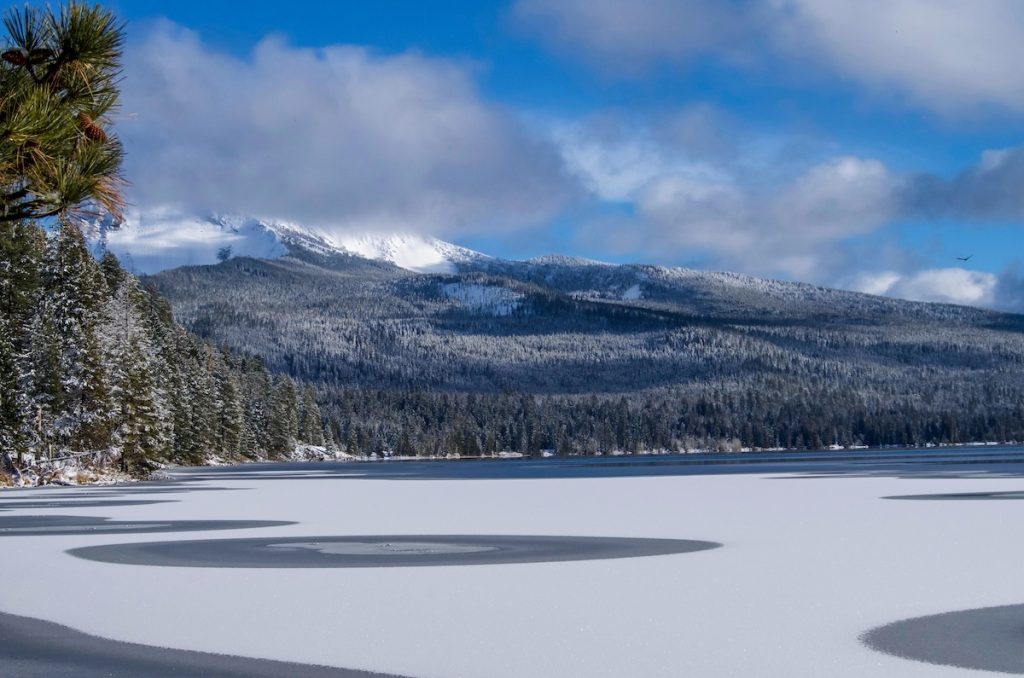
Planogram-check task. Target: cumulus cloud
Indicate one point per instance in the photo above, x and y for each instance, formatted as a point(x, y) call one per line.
point(989, 190)
point(948, 55)
point(946, 285)
point(338, 137)
point(614, 157)
point(754, 222)
point(1003, 291)
point(945, 54)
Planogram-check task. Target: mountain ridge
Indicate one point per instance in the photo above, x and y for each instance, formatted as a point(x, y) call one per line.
point(159, 240)
point(554, 353)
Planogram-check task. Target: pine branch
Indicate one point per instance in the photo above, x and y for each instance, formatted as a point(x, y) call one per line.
point(59, 82)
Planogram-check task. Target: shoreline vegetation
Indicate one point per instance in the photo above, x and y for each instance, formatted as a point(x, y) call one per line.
point(86, 470)
point(97, 380)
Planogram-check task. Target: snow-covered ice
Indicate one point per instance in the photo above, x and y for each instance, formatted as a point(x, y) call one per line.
point(808, 564)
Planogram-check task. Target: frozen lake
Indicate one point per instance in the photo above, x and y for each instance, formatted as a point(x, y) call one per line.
point(705, 565)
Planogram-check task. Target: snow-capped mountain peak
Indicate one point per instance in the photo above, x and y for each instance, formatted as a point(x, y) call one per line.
point(157, 240)
point(409, 251)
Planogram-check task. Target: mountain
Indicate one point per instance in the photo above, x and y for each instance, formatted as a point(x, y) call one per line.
point(153, 241)
point(562, 353)
point(160, 240)
point(411, 252)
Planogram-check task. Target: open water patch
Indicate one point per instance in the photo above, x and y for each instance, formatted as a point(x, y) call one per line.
point(986, 639)
point(962, 496)
point(35, 526)
point(384, 551)
point(33, 648)
point(74, 503)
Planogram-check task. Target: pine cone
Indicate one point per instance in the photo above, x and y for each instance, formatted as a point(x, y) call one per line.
point(14, 56)
point(92, 131)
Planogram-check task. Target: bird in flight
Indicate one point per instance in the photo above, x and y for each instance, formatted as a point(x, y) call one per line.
point(967, 258)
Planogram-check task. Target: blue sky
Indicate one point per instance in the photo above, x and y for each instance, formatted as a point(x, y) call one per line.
point(862, 145)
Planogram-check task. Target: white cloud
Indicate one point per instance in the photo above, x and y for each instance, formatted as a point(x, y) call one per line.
point(947, 285)
point(738, 205)
point(949, 55)
point(988, 190)
point(873, 282)
point(336, 137)
point(842, 197)
point(946, 54)
point(790, 226)
point(615, 160)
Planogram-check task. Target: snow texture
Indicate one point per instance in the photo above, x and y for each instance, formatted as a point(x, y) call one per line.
point(808, 564)
point(488, 299)
point(633, 293)
point(411, 252)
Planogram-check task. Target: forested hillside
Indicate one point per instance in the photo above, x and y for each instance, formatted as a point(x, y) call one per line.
point(93, 369)
point(580, 357)
point(91, 362)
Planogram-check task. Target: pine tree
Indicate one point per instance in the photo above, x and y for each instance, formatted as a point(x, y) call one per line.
point(230, 414)
point(256, 390)
point(310, 421)
point(140, 434)
point(46, 390)
point(405, 447)
point(284, 418)
point(139, 415)
point(11, 413)
point(22, 248)
point(75, 293)
point(352, 442)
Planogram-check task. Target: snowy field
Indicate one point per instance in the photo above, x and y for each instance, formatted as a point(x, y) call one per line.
point(807, 565)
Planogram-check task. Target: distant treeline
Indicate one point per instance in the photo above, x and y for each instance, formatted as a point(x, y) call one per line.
point(430, 423)
point(90, 361)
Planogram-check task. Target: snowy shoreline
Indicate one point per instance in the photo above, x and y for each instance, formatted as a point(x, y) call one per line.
point(70, 473)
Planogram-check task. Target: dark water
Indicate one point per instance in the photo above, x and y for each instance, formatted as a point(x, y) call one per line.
point(986, 639)
point(342, 551)
point(33, 648)
point(959, 462)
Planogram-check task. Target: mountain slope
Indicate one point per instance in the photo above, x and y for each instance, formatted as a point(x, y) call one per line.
point(367, 323)
point(161, 240)
point(556, 352)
